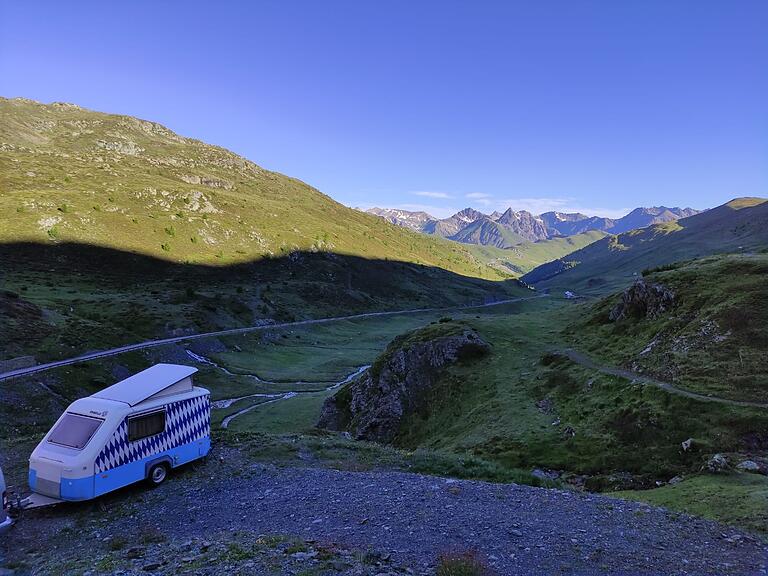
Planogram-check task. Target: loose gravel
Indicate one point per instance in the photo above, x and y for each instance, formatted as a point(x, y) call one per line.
point(410, 518)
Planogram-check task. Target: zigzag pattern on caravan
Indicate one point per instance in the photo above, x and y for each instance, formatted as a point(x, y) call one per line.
point(186, 421)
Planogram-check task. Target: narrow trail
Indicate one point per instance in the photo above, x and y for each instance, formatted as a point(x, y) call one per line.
point(587, 362)
point(281, 396)
point(244, 330)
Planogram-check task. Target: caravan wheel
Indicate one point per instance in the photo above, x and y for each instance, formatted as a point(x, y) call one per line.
point(157, 474)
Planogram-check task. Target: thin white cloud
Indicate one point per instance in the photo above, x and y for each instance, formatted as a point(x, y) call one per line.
point(428, 194)
point(478, 195)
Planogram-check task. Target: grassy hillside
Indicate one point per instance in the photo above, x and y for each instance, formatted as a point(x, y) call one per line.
point(119, 230)
point(70, 174)
point(60, 299)
point(607, 265)
point(738, 499)
point(525, 257)
point(713, 341)
point(524, 406)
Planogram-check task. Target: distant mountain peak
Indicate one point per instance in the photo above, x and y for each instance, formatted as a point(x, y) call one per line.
point(506, 228)
point(405, 218)
point(469, 215)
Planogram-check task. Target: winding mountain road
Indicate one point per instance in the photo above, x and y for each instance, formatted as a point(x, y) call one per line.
point(163, 341)
point(587, 362)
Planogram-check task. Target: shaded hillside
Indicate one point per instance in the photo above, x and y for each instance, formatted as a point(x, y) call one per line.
point(642, 217)
point(710, 336)
point(60, 299)
point(70, 174)
point(606, 265)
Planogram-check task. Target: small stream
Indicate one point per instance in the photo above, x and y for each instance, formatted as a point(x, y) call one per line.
point(272, 397)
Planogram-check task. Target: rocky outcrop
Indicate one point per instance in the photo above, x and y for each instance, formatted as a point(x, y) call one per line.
point(643, 300)
point(525, 224)
point(374, 407)
point(753, 467)
point(207, 181)
point(718, 463)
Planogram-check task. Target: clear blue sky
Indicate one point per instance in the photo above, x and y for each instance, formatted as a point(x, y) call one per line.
point(600, 106)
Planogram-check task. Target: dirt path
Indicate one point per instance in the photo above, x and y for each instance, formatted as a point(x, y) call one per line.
point(587, 362)
point(410, 517)
point(232, 331)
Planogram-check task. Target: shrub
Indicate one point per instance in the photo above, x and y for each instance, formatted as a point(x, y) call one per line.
point(466, 563)
point(152, 535)
point(117, 543)
point(166, 247)
point(551, 358)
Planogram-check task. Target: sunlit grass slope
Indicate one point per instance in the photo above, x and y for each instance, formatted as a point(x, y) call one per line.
point(70, 174)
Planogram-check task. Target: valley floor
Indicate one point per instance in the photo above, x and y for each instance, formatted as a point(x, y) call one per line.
point(279, 496)
point(231, 515)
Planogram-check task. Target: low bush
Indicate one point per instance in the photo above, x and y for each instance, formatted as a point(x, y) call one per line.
point(467, 563)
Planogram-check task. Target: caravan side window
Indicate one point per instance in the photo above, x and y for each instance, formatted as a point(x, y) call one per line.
point(147, 425)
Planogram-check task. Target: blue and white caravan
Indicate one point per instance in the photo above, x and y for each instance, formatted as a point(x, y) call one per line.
point(136, 429)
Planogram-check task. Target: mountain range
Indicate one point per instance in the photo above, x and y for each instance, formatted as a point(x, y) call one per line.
point(740, 225)
point(511, 227)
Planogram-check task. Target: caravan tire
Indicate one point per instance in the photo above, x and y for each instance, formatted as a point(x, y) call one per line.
point(157, 474)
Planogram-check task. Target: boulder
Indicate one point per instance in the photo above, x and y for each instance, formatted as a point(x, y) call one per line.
point(546, 475)
point(753, 467)
point(374, 406)
point(718, 463)
point(643, 300)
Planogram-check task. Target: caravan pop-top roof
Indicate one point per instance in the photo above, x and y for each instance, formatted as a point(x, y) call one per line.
point(150, 382)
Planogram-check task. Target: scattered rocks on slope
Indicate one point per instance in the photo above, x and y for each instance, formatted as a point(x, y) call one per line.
point(373, 407)
point(718, 463)
point(643, 300)
point(753, 467)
